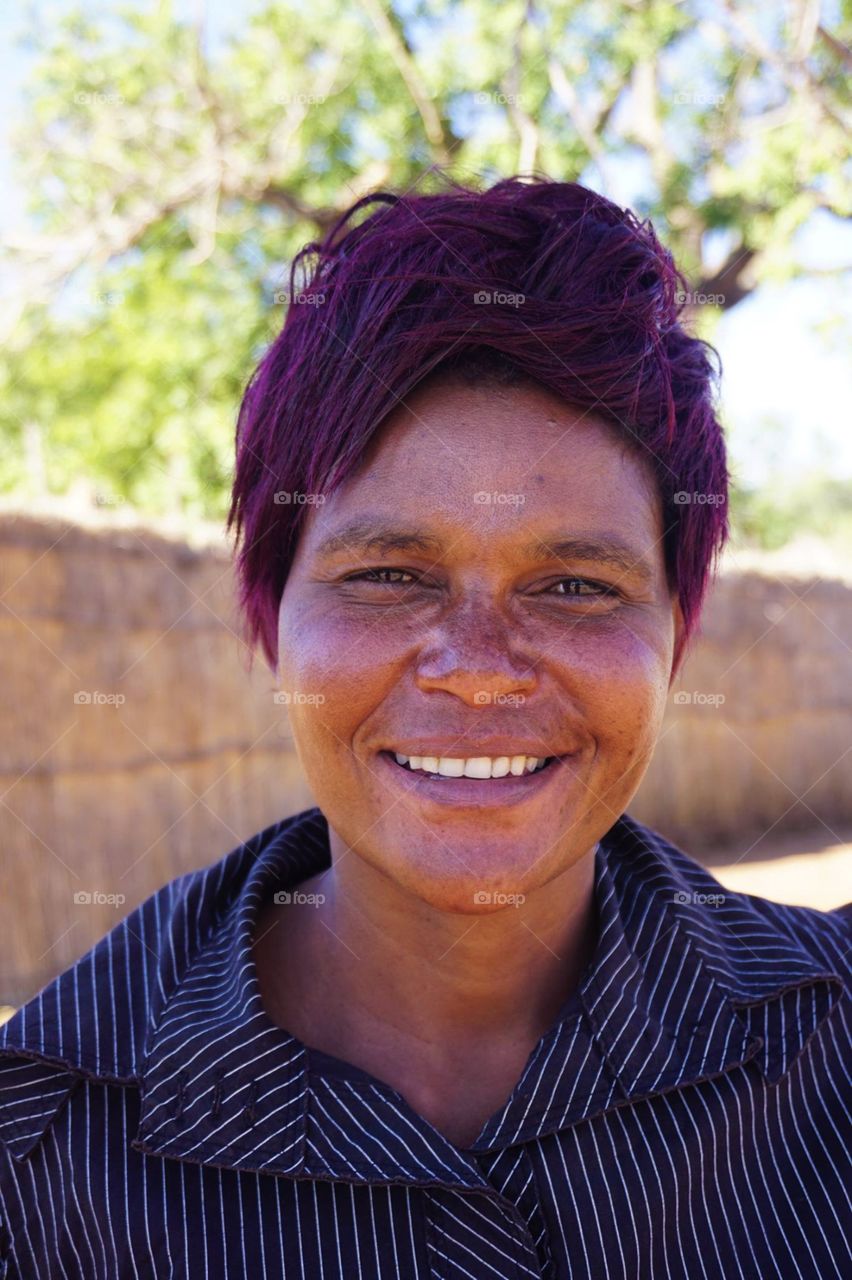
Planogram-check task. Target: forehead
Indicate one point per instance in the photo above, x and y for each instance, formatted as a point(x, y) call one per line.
point(480, 460)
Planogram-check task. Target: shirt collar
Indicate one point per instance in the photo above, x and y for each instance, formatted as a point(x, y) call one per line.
point(664, 1004)
point(681, 988)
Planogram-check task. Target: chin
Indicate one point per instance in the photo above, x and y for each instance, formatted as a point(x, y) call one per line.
point(472, 877)
point(467, 898)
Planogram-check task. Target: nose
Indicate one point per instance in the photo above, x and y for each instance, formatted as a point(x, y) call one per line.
point(475, 654)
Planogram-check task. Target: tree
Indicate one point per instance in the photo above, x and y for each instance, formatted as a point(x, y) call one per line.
point(171, 184)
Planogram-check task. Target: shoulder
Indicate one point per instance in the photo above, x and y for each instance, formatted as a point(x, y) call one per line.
point(92, 1021)
point(753, 944)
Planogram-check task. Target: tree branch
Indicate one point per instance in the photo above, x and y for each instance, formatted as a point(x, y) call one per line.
point(525, 126)
point(836, 46)
point(734, 280)
point(567, 96)
point(323, 219)
point(797, 77)
point(433, 126)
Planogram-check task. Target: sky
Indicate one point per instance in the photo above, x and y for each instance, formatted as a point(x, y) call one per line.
point(786, 385)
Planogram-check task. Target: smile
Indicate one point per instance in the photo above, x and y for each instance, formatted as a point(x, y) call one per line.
point(475, 782)
point(473, 766)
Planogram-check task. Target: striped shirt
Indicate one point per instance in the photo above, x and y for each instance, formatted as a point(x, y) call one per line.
point(685, 1117)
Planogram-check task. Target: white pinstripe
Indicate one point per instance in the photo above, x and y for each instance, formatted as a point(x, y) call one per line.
point(686, 1117)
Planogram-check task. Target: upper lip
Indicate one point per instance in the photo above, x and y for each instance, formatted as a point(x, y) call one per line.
point(463, 749)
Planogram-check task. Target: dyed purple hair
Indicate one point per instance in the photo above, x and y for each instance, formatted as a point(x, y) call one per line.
point(401, 291)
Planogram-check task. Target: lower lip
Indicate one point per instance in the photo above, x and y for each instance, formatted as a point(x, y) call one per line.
point(477, 793)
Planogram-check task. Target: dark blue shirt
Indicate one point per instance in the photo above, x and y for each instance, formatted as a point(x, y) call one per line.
point(686, 1116)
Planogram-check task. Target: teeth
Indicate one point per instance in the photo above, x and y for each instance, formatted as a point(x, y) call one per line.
point(449, 768)
point(474, 766)
point(478, 767)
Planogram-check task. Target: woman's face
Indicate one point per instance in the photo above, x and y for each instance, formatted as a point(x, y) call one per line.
point(490, 584)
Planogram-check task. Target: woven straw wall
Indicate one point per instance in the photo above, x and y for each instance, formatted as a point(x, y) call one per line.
point(111, 799)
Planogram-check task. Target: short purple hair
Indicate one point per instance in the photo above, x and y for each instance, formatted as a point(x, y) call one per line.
point(384, 300)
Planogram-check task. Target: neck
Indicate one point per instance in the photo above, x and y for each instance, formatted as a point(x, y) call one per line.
point(373, 962)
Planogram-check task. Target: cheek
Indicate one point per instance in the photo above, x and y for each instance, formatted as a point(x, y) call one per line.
point(350, 663)
point(619, 677)
point(616, 671)
point(335, 646)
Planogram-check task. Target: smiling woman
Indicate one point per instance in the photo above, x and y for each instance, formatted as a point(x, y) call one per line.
point(465, 1017)
point(419, 286)
point(480, 635)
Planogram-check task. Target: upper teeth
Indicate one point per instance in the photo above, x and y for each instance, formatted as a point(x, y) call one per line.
point(473, 766)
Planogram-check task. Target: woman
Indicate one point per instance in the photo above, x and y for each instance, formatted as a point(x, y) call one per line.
point(466, 1017)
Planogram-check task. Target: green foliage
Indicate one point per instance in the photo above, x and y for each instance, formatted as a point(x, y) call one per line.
point(771, 517)
point(171, 186)
point(149, 378)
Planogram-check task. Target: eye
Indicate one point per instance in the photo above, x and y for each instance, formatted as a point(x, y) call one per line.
point(597, 588)
point(372, 575)
point(574, 588)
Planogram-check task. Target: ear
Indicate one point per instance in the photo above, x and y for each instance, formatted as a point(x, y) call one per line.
point(279, 639)
point(679, 649)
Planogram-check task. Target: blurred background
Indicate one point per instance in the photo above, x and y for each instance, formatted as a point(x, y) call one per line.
point(162, 163)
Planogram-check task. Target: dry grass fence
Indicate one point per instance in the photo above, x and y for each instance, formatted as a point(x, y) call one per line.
point(111, 798)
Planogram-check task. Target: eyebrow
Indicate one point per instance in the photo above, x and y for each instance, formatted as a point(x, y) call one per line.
point(368, 537)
